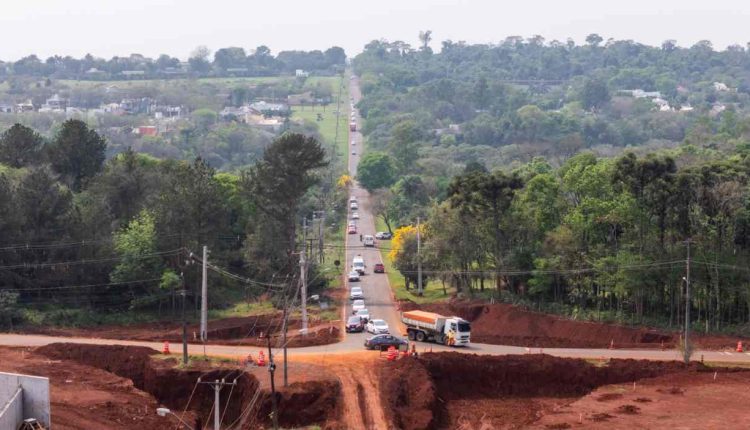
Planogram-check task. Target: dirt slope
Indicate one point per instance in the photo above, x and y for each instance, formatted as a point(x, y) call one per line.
point(504, 324)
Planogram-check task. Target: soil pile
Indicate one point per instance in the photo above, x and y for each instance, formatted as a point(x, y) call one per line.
point(504, 324)
point(303, 404)
point(420, 391)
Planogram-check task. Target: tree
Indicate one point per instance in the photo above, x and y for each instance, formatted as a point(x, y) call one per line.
point(20, 146)
point(132, 243)
point(276, 185)
point(381, 207)
point(376, 170)
point(198, 60)
point(425, 37)
point(403, 145)
point(77, 153)
point(594, 94)
point(594, 39)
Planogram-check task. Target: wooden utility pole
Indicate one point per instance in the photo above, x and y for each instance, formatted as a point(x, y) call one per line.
point(272, 369)
point(686, 350)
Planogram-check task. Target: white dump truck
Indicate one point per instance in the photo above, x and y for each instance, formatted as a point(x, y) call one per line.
point(428, 326)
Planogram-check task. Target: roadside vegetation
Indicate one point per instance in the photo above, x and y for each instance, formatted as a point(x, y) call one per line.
point(544, 176)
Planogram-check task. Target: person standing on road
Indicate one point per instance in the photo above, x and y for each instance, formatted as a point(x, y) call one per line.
point(360, 237)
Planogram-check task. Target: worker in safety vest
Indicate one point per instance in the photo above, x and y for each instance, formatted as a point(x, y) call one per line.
point(451, 337)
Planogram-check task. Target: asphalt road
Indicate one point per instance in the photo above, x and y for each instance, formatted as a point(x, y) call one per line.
point(379, 301)
point(377, 291)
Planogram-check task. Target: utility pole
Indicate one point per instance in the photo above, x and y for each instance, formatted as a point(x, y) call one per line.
point(283, 339)
point(687, 304)
point(419, 260)
point(272, 369)
point(321, 235)
point(303, 278)
point(184, 322)
point(204, 297)
point(217, 386)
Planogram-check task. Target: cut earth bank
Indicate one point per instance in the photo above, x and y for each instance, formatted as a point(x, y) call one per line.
point(504, 324)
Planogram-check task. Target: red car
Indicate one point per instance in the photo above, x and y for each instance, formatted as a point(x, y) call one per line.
point(379, 268)
point(352, 229)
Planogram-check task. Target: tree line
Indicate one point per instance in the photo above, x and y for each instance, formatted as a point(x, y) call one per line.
point(82, 235)
point(230, 61)
point(599, 238)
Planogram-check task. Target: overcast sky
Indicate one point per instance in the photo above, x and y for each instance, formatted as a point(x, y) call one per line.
point(119, 27)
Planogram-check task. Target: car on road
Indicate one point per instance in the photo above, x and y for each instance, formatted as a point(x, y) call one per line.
point(364, 314)
point(383, 341)
point(354, 325)
point(352, 229)
point(354, 152)
point(377, 327)
point(354, 142)
point(354, 206)
point(383, 235)
point(356, 293)
point(358, 304)
point(379, 268)
point(369, 240)
point(355, 215)
point(358, 264)
point(353, 276)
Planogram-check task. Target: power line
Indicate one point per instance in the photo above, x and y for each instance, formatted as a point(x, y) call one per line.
point(91, 261)
point(67, 287)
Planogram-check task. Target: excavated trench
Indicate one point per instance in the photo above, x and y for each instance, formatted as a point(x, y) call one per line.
point(418, 392)
point(301, 404)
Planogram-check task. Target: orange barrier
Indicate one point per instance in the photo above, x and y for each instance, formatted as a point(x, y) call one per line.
point(165, 350)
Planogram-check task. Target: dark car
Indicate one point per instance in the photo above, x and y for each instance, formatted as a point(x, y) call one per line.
point(383, 341)
point(355, 325)
point(379, 268)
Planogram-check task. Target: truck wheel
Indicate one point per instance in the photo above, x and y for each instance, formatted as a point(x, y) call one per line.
point(420, 336)
point(411, 334)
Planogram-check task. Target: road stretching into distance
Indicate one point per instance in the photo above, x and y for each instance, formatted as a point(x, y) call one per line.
point(380, 303)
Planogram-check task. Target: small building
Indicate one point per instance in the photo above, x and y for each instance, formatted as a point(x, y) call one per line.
point(146, 130)
point(54, 104)
point(6, 108)
point(721, 87)
point(301, 73)
point(269, 109)
point(133, 73)
point(26, 106)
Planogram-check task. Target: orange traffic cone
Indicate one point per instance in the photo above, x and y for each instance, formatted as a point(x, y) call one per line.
point(165, 350)
point(392, 353)
point(739, 346)
point(261, 359)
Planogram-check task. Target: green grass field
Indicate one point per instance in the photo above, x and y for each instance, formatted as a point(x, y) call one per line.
point(327, 120)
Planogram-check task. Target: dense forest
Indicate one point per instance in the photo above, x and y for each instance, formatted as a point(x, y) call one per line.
point(82, 232)
point(543, 174)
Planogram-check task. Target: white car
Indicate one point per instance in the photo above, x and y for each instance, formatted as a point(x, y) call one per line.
point(363, 314)
point(355, 215)
point(369, 241)
point(354, 152)
point(377, 327)
point(358, 304)
point(354, 206)
point(356, 294)
point(354, 142)
point(353, 276)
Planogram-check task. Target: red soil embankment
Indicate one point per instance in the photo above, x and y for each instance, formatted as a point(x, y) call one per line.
point(504, 324)
point(417, 392)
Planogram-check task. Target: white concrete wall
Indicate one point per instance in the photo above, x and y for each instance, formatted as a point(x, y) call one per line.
point(11, 410)
point(35, 399)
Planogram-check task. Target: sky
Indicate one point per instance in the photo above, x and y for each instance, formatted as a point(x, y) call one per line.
point(106, 28)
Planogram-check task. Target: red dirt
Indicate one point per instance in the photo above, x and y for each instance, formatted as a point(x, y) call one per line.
point(227, 331)
point(453, 390)
point(301, 404)
point(504, 324)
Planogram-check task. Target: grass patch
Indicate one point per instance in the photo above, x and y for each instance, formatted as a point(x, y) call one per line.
point(242, 309)
point(433, 290)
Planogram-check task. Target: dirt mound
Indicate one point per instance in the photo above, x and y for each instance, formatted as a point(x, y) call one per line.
point(504, 324)
point(409, 394)
point(417, 389)
point(246, 331)
point(125, 361)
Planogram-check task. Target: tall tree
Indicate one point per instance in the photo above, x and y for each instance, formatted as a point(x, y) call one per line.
point(77, 153)
point(20, 146)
